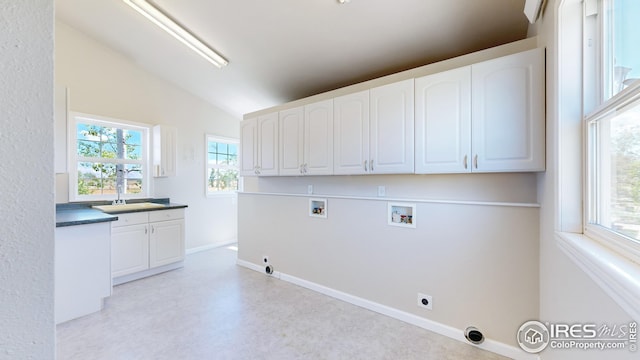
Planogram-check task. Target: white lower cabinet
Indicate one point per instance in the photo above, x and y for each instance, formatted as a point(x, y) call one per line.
point(130, 249)
point(166, 241)
point(82, 277)
point(143, 242)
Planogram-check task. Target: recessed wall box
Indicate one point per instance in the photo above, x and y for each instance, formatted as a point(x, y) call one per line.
point(401, 214)
point(318, 208)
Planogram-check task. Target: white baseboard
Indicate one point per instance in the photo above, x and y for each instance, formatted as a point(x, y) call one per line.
point(442, 329)
point(208, 247)
point(146, 273)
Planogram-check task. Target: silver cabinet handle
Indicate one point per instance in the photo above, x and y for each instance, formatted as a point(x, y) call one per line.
point(465, 161)
point(145, 230)
point(153, 229)
point(371, 165)
point(301, 168)
point(475, 161)
point(306, 168)
point(365, 165)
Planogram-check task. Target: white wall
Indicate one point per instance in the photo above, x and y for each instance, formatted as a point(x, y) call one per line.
point(567, 294)
point(107, 83)
point(26, 178)
point(480, 263)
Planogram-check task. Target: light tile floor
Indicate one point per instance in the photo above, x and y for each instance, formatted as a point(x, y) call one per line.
point(213, 309)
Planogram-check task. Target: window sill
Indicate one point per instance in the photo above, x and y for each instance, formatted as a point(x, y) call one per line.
point(618, 276)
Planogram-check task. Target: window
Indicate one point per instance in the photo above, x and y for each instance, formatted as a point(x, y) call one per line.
point(110, 156)
point(613, 129)
point(222, 165)
point(621, 54)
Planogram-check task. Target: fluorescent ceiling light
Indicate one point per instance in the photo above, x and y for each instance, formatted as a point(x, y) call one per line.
point(168, 25)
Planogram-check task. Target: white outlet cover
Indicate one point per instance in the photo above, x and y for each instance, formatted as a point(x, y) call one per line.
point(382, 191)
point(429, 306)
point(310, 189)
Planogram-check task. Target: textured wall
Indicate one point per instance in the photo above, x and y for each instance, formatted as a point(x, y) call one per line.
point(26, 180)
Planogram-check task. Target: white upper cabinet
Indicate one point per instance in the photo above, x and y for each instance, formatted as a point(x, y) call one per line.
point(485, 117)
point(259, 145)
point(351, 134)
point(268, 144)
point(391, 128)
point(291, 141)
point(248, 150)
point(306, 139)
point(443, 122)
point(318, 138)
point(508, 113)
point(488, 117)
point(165, 145)
point(373, 130)
point(61, 109)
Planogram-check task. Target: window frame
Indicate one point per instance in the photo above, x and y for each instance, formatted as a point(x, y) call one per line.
point(207, 166)
point(597, 74)
point(76, 118)
point(626, 246)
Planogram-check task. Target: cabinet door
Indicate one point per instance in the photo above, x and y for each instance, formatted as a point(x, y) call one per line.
point(391, 128)
point(291, 149)
point(508, 113)
point(129, 249)
point(61, 108)
point(166, 243)
point(248, 147)
point(165, 142)
point(351, 134)
point(318, 138)
point(268, 144)
point(443, 122)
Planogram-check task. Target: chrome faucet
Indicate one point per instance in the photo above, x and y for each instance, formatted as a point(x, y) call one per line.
point(119, 201)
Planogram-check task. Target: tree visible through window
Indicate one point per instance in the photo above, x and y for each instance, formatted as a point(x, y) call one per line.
point(109, 157)
point(613, 136)
point(222, 165)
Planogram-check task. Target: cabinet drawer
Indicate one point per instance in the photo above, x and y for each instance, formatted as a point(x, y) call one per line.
point(131, 219)
point(164, 215)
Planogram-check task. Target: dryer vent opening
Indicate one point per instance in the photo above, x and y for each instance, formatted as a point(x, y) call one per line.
point(268, 269)
point(473, 335)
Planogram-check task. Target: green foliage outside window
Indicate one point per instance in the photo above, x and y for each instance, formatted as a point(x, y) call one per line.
point(222, 166)
point(96, 146)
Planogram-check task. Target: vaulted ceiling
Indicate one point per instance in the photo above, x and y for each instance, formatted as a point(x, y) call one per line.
point(282, 50)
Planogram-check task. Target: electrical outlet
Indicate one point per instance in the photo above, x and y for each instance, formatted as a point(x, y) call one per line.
point(382, 191)
point(425, 301)
point(265, 260)
point(309, 189)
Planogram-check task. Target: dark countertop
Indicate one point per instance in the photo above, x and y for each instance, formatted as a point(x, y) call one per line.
point(71, 214)
point(82, 216)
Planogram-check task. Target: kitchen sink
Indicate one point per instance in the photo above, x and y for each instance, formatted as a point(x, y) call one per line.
point(127, 207)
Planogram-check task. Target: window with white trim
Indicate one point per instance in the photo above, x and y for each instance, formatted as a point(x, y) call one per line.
point(612, 210)
point(222, 165)
point(107, 156)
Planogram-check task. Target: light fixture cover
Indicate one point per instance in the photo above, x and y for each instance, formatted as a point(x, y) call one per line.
point(165, 23)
